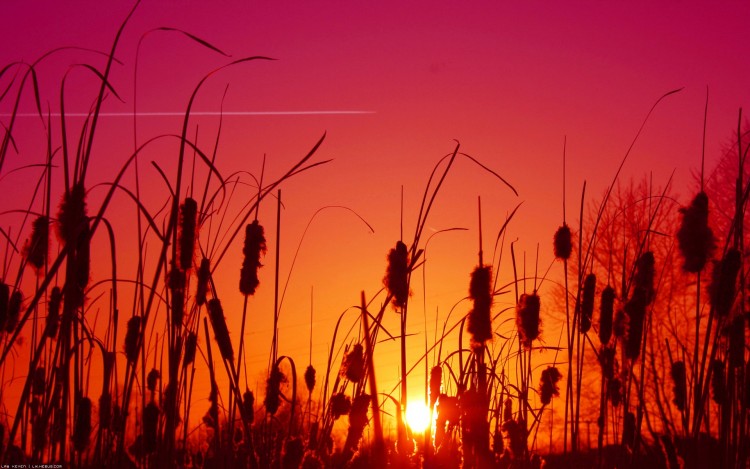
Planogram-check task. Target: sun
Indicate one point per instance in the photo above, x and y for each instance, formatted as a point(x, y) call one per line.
point(417, 416)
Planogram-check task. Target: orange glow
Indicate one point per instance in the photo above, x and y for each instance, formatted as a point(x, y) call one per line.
point(417, 416)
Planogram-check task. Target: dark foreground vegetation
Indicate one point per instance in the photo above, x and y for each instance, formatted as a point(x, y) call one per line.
point(652, 297)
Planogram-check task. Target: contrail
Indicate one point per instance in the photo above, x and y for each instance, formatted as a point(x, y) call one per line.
point(202, 113)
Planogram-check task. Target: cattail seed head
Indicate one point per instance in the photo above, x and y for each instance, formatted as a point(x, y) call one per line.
point(508, 410)
point(620, 324)
point(254, 247)
point(629, 428)
point(221, 332)
point(636, 311)
point(340, 405)
point(718, 382)
point(607, 306)
point(679, 384)
point(37, 246)
point(723, 282)
point(480, 319)
point(436, 378)
point(273, 390)
point(14, 311)
point(607, 361)
point(152, 378)
point(248, 401)
point(562, 242)
point(150, 427)
point(644, 276)
point(53, 313)
point(548, 384)
point(694, 237)
point(294, 450)
point(82, 429)
point(397, 274)
point(4, 299)
point(527, 318)
point(39, 384)
point(310, 378)
point(204, 272)
point(614, 392)
point(71, 215)
point(132, 337)
point(353, 367)
point(187, 232)
point(190, 344)
point(587, 302)
point(358, 418)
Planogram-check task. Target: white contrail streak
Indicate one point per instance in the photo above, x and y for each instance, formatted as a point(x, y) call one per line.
point(202, 113)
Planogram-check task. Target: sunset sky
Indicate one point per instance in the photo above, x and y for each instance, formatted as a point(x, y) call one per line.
point(393, 85)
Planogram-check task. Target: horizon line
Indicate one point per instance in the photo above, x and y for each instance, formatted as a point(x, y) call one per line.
point(196, 113)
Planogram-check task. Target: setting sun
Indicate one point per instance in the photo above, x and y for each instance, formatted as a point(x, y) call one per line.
point(417, 416)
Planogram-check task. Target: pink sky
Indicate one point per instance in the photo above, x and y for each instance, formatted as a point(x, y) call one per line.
point(509, 80)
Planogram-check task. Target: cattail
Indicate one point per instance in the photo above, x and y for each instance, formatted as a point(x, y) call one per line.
point(694, 237)
point(187, 232)
point(737, 342)
point(614, 392)
point(82, 429)
point(620, 324)
point(508, 410)
point(39, 384)
point(628, 431)
point(255, 245)
point(516, 435)
point(643, 294)
point(152, 378)
point(340, 404)
point(357, 419)
point(548, 384)
point(722, 288)
point(105, 410)
point(39, 430)
point(587, 302)
point(72, 214)
point(747, 385)
point(436, 377)
point(273, 390)
point(527, 318)
point(606, 308)
point(37, 246)
point(644, 276)
point(397, 275)
point(150, 427)
point(311, 461)
point(248, 401)
point(221, 333)
point(53, 313)
point(294, 450)
point(204, 272)
point(132, 338)
point(718, 382)
point(679, 384)
point(4, 299)
point(14, 311)
point(353, 367)
point(190, 344)
point(310, 378)
point(607, 361)
point(562, 242)
point(480, 291)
